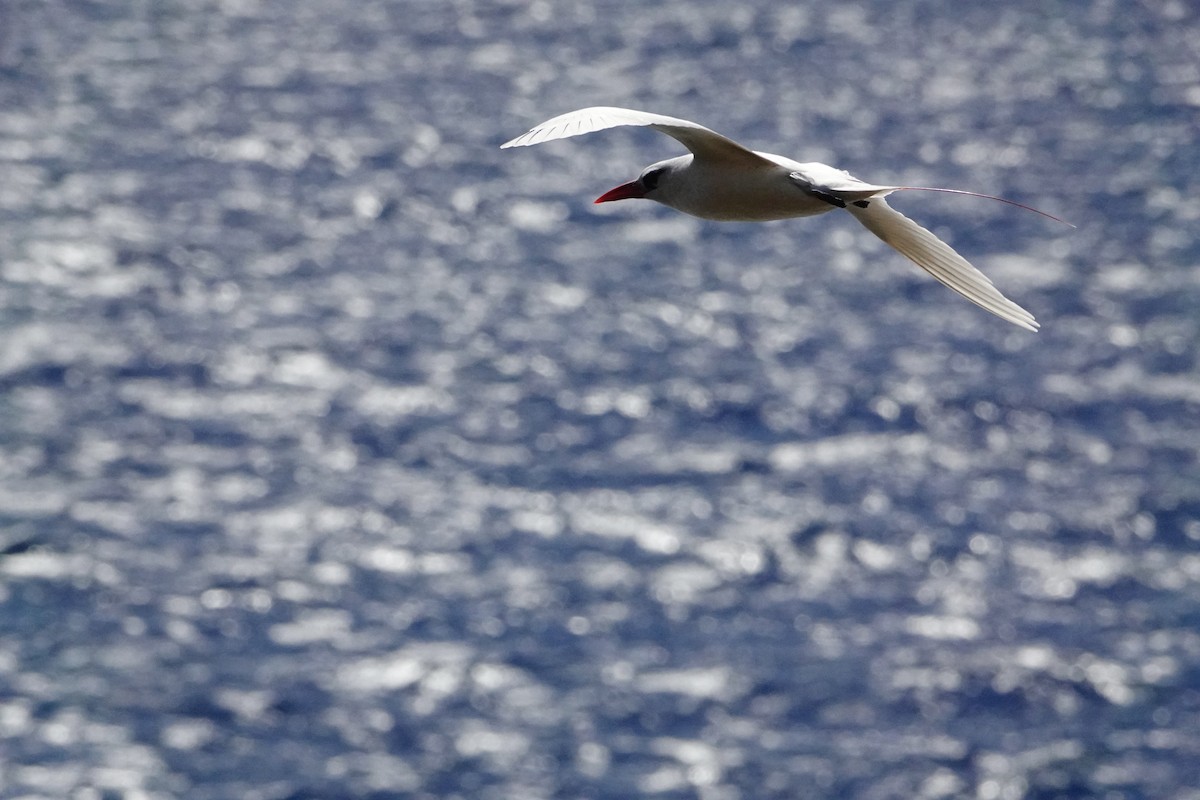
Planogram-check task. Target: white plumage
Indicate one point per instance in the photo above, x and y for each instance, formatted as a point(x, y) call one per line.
point(722, 180)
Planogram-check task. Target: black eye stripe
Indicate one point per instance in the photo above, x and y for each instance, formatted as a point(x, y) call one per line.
point(650, 179)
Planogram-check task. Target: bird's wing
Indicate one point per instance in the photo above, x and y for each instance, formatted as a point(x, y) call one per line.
point(937, 258)
point(834, 186)
point(704, 143)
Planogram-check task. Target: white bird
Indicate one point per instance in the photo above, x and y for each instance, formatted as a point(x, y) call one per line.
point(722, 180)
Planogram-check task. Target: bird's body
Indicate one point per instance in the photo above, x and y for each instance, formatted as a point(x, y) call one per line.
point(729, 193)
point(722, 180)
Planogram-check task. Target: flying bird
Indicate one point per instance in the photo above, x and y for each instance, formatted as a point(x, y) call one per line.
point(722, 180)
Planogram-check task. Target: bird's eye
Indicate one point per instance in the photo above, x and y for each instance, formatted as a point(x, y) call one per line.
point(650, 179)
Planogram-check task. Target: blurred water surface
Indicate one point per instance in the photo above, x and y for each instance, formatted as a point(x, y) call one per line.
point(343, 454)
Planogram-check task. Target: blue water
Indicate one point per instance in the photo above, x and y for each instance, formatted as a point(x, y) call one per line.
point(343, 454)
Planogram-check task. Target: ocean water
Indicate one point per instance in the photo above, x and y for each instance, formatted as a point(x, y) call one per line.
point(345, 455)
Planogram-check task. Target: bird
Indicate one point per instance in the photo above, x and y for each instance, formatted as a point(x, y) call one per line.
point(722, 180)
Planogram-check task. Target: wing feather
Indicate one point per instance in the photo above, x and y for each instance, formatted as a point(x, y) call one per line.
point(704, 143)
point(938, 259)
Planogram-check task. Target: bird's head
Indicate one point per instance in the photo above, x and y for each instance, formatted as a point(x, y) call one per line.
point(653, 180)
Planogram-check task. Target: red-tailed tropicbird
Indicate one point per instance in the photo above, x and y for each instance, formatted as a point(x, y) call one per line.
point(722, 180)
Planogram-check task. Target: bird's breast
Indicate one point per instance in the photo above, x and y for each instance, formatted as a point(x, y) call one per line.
point(731, 194)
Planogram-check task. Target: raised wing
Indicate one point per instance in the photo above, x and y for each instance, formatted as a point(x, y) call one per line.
point(938, 259)
point(704, 143)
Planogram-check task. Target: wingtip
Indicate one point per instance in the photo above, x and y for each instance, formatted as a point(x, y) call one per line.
point(1017, 316)
point(1014, 315)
